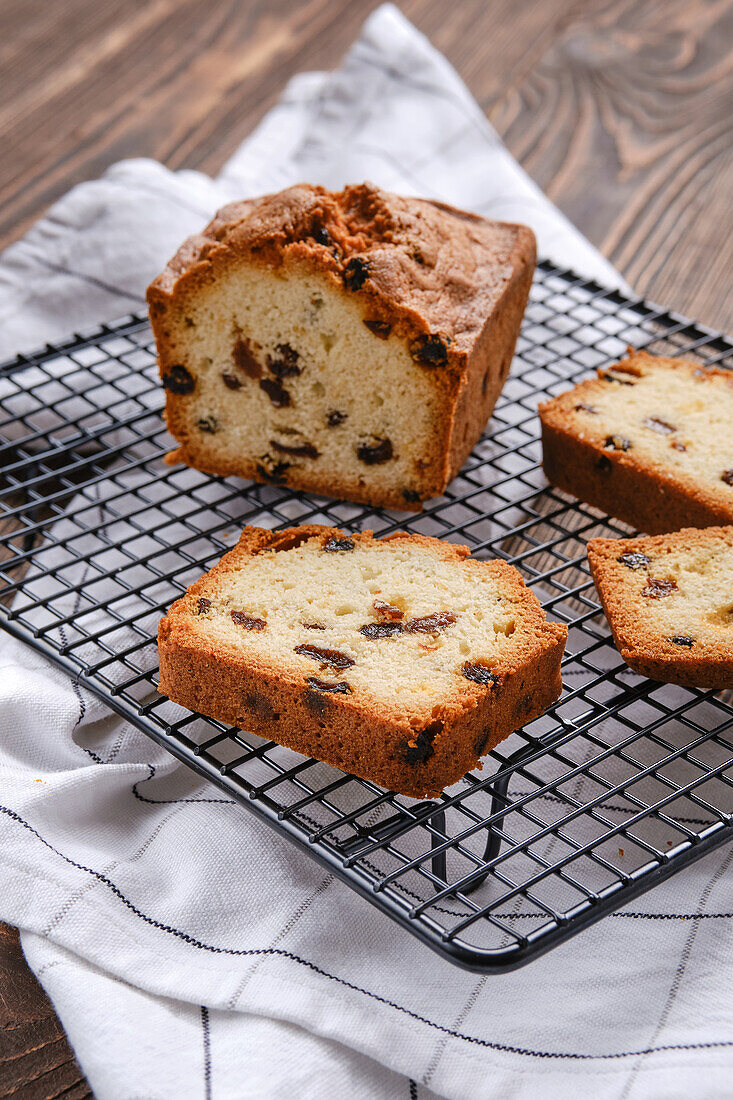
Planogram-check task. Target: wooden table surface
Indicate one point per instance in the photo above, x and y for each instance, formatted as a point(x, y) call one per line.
point(621, 110)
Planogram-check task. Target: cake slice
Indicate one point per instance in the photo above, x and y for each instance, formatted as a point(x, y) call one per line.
point(401, 659)
point(669, 603)
point(349, 343)
point(649, 441)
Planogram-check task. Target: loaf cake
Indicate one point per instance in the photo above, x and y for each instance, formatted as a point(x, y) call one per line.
point(349, 343)
point(669, 603)
point(401, 660)
point(649, 440)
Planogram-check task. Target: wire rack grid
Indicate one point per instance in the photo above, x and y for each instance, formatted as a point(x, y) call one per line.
point(620, 784)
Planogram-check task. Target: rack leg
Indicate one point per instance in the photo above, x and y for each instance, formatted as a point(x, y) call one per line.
point(499, 800)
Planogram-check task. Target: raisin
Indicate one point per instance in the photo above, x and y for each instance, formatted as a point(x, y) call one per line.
point(583, 407)
point(418, 257)
point(633, 559)
point(178, 380)
point(657, 588)
point(727, 477)
point(658, 425)
point(617, 443)
point(329, 658)
point(421, 748)
point(231, 381)
point(332, 545)
point(604, 465)
point(285, 365)
point(317, 688)
point(190, 323)
point(322, 236)
point(268, 469)
point(381, 329)
point(279, 397)
point(356, 273)
point(683, 639)
point(410, 496)
point(203, 605)
point(245, 360)
point(335, 417)
point(380, 630)
point(485, 381)
point(249, 622)
point(677, 445)
point(388, 610)
point(480, 674)
point(208, 424)
point(302, 450)
point(313, 626)
point(430, 350)
point(431, 624)
point(376, 452)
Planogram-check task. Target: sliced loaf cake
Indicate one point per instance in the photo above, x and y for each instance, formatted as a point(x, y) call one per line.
point(649, 440)
point(669, 603)
point(401, 660)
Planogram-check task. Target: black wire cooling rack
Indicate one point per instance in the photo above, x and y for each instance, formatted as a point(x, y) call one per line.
point(623, 782)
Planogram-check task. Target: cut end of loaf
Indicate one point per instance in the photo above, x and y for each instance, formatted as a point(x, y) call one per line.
point(669, 603)
point(290, 385)
point(349, 343)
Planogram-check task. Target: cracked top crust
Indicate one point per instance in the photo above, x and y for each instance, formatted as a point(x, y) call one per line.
point(426, 268)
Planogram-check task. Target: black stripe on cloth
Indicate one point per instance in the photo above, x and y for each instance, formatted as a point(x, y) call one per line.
point(206, 1029)
point(170, 801)
point(254, 952)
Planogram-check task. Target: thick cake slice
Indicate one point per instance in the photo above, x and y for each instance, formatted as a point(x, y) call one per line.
point(350, 343)
point(669, 603)
point(649, 440)
point(401, 660)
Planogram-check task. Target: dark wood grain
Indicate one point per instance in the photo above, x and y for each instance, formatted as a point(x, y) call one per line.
point(626, 122)
point(622, 110)
point(35, 1059)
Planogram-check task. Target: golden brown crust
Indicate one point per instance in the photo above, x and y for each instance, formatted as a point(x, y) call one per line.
point(429, 271)
point(487, 371)
point(431, 268)
point(653, 496)
point(378, 743)
point(622, 576)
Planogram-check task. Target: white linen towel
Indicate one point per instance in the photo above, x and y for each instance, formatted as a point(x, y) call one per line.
point(188, 949)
